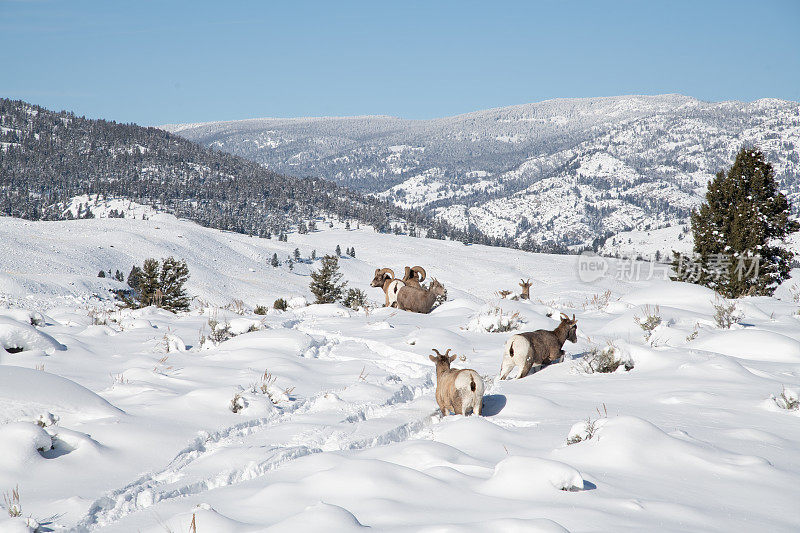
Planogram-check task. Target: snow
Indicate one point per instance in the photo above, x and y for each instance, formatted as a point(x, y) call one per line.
point(122, 420)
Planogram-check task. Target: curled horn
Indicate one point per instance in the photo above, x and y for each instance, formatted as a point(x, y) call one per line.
point(419, 270)
point(385, 271)
point(564, 317)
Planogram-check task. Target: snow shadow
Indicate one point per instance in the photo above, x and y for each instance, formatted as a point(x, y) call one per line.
point(493, 404)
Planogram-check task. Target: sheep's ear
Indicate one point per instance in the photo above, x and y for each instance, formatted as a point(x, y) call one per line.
point(433, 358)
point(453, 357)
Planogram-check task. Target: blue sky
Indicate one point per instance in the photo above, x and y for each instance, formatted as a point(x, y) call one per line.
point(154, 62)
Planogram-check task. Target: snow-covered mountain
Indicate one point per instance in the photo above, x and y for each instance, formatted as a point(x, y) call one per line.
point(323, 418)
point(565, 171)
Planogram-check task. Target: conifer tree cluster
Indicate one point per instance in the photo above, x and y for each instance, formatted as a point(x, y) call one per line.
point(738, 231)
point(160, 284)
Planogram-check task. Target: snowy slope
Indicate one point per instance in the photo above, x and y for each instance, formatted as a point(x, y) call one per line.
point(565, 170)
point(143, 438)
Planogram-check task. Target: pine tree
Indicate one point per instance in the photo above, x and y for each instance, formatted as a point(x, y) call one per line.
point(338, 251)
point(149, 282)
point(325, 284)
point(135, 278)
point(352, 252)
point(274, 261)
point(174, 275)
point(314, 254)
point(297, 254)
point(738, 231)
point(290, 262)
point(101, 274)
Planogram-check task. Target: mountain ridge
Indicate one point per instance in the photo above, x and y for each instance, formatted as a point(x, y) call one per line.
point(635, 162)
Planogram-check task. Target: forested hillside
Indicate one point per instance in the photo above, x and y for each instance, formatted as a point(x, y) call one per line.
point(48, 157)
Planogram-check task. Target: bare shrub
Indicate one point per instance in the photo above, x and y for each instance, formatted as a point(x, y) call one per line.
point(597, 301)
point(650, 320)
point(266, 385)
point(725, 314)
point(237, 403)
point(787, 400)
point(219, 333)
point(495, 321)
point(11, 502)
point(589, 428)
point(695, 332)
point(604, 361)
point(355, 299)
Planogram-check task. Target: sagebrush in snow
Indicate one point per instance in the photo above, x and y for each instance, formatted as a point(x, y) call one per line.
point(219, 333)
point(280, 305)
point(266, 385)
point(355, 299)
point(11, 502)
point(590, 426)
point(237, 403)
point(650, 320)
point(788, 400)
point(725, 314)
point(597, 301)
point(495, 321)
point(260, 310)
point(604, 361)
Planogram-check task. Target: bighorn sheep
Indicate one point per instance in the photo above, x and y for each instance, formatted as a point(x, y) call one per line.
point(537, 348)
point(414, 276)
point(383, 278)
point(392, 290)
point(526, 289)
point(419, 300)
point(456, 390)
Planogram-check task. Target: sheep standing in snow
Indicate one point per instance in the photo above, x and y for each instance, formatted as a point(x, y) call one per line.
point(526, 289)
point(537, 348)
point(414, 276)
point(384, 277)
point(456, 390)
point(419, 300)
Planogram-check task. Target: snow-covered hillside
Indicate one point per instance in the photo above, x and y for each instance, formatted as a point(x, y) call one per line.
point(565, 170)
point(123, 420)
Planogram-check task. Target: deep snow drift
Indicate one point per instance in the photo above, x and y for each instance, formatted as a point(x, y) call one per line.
point(124, 420)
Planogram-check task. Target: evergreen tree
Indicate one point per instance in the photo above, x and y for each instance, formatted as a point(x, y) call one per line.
point(118, 276)
point(325, 284)
point(352, 252)
point(297, 254)
point(738, 230)
point(338, 251)
point(314, 254)
point(274, 261)
point(135, 278)
point(174, 275)
point(290, 262)
point(149, 282)
point(101, 274)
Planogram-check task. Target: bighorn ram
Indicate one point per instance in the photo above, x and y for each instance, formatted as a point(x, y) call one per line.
point(456, 390)
point(414, 276)
point(526, 289)
point(419, 300)
point(537, 348)
point(383, 278)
